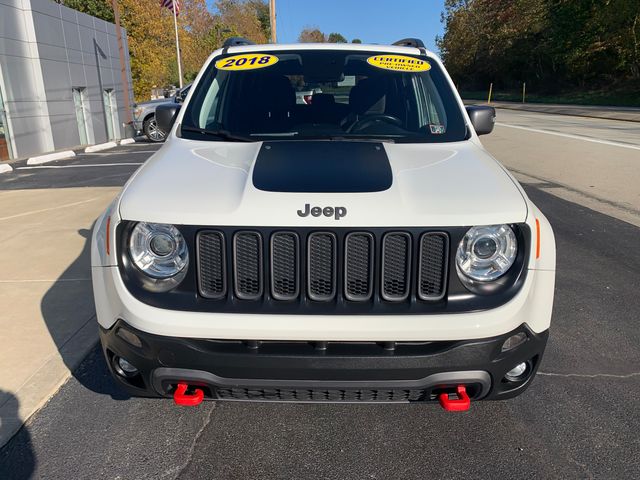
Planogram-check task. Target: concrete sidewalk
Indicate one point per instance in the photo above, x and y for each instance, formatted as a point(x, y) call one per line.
point(629, 114)
point(47, 321)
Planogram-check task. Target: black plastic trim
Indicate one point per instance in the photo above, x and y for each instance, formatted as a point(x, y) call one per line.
point(272, 364)
point(225, 273)
point(348, 296)
point(275, 295)
point(239, 294)
point(407, 272)
point(458, 298)
point(445, 273)
point(334, 257)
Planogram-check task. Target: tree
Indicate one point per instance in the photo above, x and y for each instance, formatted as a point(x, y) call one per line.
point(551, 44)
point(96, 8)
point(336, 38)
point(244, 19)
point(356, 40)
point(312, 35)
point(201, 28)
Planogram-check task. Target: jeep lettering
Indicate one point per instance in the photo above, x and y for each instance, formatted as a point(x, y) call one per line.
point(336, 212)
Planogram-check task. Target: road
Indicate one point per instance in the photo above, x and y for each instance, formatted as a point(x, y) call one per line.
point(579, 419)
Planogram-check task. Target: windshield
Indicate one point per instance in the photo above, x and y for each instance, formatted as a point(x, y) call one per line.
point(316, 94)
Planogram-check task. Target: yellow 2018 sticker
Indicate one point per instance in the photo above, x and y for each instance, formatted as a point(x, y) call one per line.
point(247, 61)
point(399, 63)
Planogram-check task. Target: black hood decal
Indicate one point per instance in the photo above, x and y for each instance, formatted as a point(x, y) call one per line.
point(322, 167)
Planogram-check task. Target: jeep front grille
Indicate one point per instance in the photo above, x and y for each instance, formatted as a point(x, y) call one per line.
point(321, 265)
point(285, 266)
point(309, 267)
point(247, 265)
point(396, 266)
point(358, 266)
point(212, 265)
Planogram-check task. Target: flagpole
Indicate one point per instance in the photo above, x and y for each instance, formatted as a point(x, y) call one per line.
point(175, 24)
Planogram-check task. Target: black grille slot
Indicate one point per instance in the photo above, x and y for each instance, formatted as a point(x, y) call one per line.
point(358, 266)
point(247, 264)
point(284, 266)
point(321, 266)
point(432, 275)
point(396, 256)
point(324, 394)
point(211, 265)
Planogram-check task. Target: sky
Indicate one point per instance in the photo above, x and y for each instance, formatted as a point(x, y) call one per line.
point(372, 21)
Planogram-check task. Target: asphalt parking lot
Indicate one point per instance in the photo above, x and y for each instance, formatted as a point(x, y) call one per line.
point(579, 419)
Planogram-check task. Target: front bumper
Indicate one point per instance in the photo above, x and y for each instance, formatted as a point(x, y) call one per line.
point(321, 371)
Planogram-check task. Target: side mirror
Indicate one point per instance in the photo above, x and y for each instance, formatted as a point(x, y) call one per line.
point(483, 118)
point(166, 115)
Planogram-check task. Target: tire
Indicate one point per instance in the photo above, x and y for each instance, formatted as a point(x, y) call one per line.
point(151, 131)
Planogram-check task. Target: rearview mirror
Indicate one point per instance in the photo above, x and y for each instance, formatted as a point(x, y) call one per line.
point(482, 117)
point(166, 116)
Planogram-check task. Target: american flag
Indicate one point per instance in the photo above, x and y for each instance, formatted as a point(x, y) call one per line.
point(170, 3)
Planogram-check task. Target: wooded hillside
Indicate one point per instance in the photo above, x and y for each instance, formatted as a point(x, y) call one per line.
point(553, 45)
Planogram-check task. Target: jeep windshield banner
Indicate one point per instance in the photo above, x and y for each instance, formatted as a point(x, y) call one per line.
point(399, 63)
point(247, 61)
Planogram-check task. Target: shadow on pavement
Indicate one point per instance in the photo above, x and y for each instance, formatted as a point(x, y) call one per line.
point(17, 458)
point(64, 300)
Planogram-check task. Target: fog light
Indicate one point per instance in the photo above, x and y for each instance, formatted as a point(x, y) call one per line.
point(517, 373)
point(513, 341)
point(124, 368)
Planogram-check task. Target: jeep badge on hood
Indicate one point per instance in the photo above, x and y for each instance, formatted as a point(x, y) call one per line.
point(335, 212)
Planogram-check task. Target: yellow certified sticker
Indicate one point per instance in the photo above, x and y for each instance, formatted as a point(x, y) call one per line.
point(399, 63)
point(247, 61)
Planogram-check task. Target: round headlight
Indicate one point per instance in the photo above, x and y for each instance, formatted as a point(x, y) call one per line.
point(486, 253)
point(159, 250)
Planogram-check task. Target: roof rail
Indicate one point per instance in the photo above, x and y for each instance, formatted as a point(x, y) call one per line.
point(410, 42)
point(236, 42)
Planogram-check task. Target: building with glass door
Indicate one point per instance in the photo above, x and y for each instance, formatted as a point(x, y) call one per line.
point(60, 79)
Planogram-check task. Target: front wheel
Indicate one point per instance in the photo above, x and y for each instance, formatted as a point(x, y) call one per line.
point(151, 130)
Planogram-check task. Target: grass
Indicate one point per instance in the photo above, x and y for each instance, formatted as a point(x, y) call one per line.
point(621, 98)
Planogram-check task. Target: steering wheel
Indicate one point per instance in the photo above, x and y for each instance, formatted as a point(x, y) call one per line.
point(369, 120)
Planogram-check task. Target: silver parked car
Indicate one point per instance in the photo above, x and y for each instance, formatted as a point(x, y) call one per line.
point(144, 115)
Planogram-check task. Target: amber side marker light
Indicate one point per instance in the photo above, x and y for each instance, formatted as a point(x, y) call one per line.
point(107, 243)
point(537, 238)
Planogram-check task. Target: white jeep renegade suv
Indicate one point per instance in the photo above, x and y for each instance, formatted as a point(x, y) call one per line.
point(361, 248)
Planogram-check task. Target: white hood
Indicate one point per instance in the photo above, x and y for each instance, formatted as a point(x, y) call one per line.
point(210, 183)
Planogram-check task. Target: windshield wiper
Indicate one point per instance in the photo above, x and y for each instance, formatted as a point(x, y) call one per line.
point(223, 134)
point(361, 138)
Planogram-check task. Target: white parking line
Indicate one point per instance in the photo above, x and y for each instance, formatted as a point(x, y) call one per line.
point(575, 137)
point(24, 214)
point(83, 166)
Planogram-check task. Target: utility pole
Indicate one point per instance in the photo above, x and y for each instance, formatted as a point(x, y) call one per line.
point(123, 65)
point(272, 20)
point(175, 24)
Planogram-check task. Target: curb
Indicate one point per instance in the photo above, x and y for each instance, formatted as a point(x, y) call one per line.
point(127, 141)
point(100, 146)
point(50, 157)
point(4, 168)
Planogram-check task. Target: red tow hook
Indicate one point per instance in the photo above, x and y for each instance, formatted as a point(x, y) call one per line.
point(191, 400)
point(460, 404)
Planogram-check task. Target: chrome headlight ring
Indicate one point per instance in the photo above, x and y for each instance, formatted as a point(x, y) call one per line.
point(486, 253)
point(160, 253)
